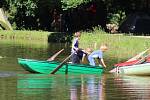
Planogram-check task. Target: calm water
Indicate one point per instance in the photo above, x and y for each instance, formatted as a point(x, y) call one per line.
point(17, 84)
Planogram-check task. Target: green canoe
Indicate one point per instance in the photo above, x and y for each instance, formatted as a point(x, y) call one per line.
point(46, 67)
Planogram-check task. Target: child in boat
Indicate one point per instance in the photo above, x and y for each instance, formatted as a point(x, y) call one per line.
point(77, 53)
point(85, 55)
point(98, 54)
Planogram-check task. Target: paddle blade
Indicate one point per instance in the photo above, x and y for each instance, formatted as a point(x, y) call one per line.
point(55, 55)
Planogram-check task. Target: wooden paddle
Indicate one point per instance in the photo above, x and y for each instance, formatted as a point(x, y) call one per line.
point(61, 64)
point(143, 59)
point(55, 55)
point(139, 55)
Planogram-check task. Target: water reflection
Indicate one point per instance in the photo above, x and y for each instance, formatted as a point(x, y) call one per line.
point(79, 87)
point(33, 83)
point(7, 86)
point(91, 88)
point(133, 87)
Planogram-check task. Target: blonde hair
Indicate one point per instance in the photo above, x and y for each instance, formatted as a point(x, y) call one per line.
point(89, 50)
point(103, 47)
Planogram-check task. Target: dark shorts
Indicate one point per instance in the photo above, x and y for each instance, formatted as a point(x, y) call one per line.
point(80, 54)
point(77, 57)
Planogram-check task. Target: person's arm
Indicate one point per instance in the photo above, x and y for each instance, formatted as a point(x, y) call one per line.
point(83, 57)
point(75, 48)
point(101, 60)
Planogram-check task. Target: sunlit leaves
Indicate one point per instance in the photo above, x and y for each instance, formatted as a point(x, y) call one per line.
point(66, 4)
point(29, 6)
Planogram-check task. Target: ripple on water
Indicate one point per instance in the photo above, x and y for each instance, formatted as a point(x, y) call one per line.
point(130, 88)
point(7, 74)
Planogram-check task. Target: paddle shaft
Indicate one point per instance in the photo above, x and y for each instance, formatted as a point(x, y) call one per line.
point(61, 64)
point(55, 55)
point(139, 55)
point(143, 59)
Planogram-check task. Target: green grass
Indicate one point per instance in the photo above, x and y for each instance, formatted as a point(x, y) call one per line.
point(37, 39)
point(18, 34)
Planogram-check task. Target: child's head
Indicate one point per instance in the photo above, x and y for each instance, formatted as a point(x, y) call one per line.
point(88, 50)
point(103, 47)
point(77, 34)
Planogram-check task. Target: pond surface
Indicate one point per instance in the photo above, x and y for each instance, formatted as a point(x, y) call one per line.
point(18, 84)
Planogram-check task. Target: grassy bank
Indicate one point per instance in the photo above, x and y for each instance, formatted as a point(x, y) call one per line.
point(37, 39)
point(43, 36)
point(121, 47)
point(24, 35)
